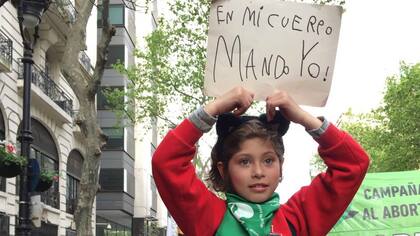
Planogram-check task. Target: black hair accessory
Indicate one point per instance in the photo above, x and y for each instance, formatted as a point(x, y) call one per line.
point(228, 122)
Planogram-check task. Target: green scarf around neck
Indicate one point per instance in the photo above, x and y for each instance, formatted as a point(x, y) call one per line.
point(247, 218)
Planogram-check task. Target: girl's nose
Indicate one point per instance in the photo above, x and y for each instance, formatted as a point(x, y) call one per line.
point(258, 171)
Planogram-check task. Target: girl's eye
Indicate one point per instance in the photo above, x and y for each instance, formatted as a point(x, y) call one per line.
point(244, 162)
point(269, 161)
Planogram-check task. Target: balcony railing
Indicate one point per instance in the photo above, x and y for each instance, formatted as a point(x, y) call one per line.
point(67, 10)
point(85, 61)
point(49, 88)
point(70, 206)
point(6, 52)
point(51, 197)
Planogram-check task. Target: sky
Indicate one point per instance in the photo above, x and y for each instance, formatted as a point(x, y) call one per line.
point(375, 36)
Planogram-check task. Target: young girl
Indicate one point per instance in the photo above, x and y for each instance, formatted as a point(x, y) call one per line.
point(247, 165)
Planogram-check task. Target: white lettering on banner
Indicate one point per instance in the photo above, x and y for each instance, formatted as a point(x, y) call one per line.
point(268, 44)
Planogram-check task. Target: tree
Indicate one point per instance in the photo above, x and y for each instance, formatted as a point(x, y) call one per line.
point(86, 90)
point(402, 110)
point(364, 128)
point(391, 133)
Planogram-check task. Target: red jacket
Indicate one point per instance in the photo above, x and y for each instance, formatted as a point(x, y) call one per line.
point(313, 210)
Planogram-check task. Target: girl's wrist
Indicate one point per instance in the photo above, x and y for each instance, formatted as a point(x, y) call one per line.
point(316, 133)
point(211, 108)
point(311, 122)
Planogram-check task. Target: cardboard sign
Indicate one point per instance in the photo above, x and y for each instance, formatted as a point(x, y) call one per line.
point(264, 45)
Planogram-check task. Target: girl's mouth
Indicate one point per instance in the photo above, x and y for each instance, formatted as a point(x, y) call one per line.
point(259, 187)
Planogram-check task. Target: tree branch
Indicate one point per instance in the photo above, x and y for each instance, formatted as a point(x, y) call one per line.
point(167, 120)
point(185, 94)
point(102, 50)
point(134, 120)
point(127, 113)
point(75, 42)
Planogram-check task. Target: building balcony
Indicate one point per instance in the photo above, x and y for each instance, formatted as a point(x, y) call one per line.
point(61, 15)
point(66, 10)
point(6, 52)
point(47, 94)
point(85, 63)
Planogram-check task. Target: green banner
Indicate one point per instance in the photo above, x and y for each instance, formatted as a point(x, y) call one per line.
point(387, 204)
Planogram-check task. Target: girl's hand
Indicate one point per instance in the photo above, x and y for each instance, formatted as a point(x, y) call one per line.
point(290, 110)
point(237, 100)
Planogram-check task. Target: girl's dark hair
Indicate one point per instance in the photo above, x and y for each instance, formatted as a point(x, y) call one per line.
point(227, 146)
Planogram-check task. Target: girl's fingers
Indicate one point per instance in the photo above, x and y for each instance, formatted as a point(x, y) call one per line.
point(279, 100)
point(269, 111)
point(240, 110)
point(243, 106)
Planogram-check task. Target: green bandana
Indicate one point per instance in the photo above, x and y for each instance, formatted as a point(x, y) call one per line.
point(247, 218)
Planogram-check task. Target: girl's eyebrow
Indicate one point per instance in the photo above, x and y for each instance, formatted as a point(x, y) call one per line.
point(242, 154)
point(270, 152)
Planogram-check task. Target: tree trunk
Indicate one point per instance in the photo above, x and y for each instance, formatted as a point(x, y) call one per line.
point(90, 173)
point(86, 89)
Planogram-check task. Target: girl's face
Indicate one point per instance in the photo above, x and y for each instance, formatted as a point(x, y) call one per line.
point(254, 171)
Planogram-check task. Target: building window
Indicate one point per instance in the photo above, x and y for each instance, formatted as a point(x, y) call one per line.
point(74, 174)
point(51, 196)
point(115, 138)
point(44, 149)
point(70, 232)
point(102, 100)
point(6, 52)
point(112, 180)
point(4, 224)
point(116, 53)
point(2, 184)
point(105, 227)
point(116, 15)
point(73, 188)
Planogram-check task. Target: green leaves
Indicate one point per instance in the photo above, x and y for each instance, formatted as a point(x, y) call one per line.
point(391, 133)
point(49, 175)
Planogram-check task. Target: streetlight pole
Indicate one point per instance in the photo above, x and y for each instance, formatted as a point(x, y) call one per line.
point(24, 221)
point(29, 17)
